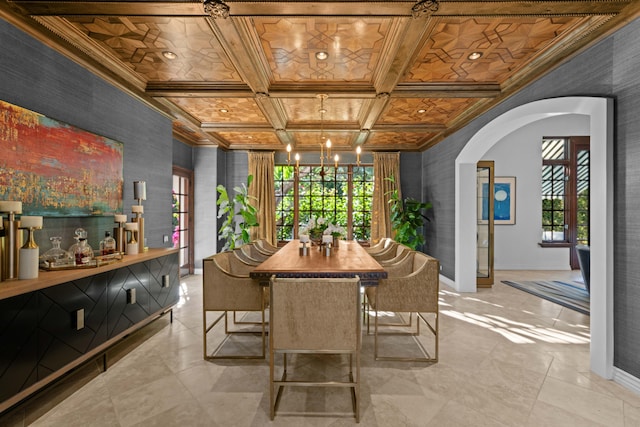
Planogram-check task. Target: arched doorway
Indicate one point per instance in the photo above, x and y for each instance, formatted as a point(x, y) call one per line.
point(600, 113)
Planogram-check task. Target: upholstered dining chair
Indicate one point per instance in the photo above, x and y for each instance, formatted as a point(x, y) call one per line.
point(245, 259)
point(266, 247)
point(393, 250)
point(227, 287)
point(405, 290)
point(402, 252)
point(252, 251)
point(382, 244)
point(317, 316)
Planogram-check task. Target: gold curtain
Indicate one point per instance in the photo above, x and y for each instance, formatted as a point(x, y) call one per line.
point(384, 165)
point(261, 165)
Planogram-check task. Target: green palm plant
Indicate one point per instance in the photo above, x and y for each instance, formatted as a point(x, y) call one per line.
point(407, 218)
point(241, 215)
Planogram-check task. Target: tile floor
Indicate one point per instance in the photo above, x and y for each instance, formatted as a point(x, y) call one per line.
point(507, 358)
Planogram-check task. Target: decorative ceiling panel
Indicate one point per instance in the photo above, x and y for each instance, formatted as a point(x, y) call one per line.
point(435, 111)
point(383, 65)
point(396, 140)
point(222, 110)
point(311, 140)
point(140, 42)
point(353, 46)
point(307, 110)
point(505, 43)
point(254, 139)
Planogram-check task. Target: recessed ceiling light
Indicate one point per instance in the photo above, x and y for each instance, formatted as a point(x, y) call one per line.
point(474, 55)
point(322, 55)
point(169, 55)
point(224, 110)
point(422, 111)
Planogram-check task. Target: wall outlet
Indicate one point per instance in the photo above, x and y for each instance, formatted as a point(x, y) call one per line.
point(440, 267)
point(165, 239)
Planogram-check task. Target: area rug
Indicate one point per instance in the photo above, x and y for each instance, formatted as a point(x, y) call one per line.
point(568, 295)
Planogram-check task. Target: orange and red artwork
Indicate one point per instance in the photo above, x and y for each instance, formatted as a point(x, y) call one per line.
point(56, 169)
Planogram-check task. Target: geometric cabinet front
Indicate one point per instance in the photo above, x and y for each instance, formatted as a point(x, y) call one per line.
point(43, 331)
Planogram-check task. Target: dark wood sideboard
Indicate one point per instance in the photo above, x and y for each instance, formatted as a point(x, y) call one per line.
point(52, 324)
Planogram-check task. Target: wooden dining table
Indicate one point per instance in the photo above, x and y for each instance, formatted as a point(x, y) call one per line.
point(350, 259)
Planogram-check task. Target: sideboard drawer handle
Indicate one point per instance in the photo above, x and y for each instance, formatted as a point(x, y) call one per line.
point(79, 319)
point(131, 296)
point(165, 281)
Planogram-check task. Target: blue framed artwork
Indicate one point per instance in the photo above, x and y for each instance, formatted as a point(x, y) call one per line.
point(504, 200)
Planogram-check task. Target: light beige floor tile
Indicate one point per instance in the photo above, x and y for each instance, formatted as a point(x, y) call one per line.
point(507, 358)
point(594, 406)
point(149, 400)
point(454, 414)
point(188, 414)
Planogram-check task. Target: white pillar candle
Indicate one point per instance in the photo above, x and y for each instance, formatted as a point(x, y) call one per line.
point(30, 221)
point(137, 209)
point(120, 218)
point(131, 226)
point(327, 238)
point(28, 268)
point(10, 206)
point(304, 238)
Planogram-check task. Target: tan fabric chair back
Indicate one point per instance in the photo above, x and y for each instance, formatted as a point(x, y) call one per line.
point(416, 292)
point(227, 289)
point(315, 315)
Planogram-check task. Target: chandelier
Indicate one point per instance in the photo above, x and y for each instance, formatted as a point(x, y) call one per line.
point(325, 144)
point(216, 8)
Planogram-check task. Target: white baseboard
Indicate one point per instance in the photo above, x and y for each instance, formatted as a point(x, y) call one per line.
point(626, 380)
point(197, 271)
point(447, 281)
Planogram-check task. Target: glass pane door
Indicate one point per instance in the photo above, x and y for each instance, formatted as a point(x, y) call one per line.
point(485, 224)
point(182, 221)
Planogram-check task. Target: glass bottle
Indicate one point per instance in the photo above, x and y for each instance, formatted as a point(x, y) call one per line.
point(82, 252)
point(56, 255)
point(108, 244)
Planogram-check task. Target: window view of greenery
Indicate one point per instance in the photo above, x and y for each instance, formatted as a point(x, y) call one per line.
point(554, 164)
point(557, 169)
point(583, 197)
point(343, 196)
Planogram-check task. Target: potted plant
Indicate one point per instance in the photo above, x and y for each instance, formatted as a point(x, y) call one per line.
point(407, 218)
point(241, 215)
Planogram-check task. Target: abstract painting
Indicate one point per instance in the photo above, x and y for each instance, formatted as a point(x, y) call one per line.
point(56, 169)
point(504, 200)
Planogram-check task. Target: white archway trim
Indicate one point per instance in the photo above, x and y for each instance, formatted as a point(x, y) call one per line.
point(600, 112)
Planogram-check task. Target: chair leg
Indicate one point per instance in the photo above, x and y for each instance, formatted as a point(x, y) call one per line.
point(426, 358)
point(228, 332)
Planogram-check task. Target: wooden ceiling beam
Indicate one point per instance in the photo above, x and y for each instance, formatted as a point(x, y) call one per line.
point(319, 8)
point(446, 90)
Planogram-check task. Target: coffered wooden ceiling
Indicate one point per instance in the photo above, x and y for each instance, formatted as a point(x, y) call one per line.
point(252, 80)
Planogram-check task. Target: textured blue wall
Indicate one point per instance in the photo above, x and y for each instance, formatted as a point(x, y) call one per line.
point(608, 69)
point(39, 79)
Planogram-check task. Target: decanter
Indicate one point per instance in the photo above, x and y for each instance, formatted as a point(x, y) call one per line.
point(56, 255)
point(81, 251)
